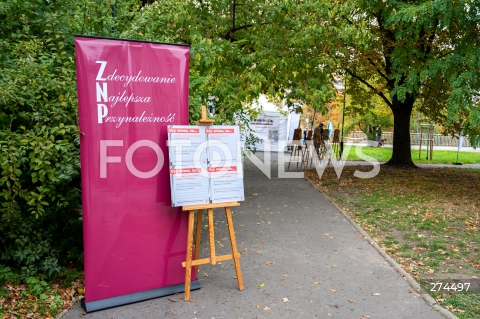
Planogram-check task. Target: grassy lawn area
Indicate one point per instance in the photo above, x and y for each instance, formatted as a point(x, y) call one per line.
point(427, 219)
point(383, 154)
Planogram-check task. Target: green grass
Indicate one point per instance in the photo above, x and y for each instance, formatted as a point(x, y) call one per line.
point(383, 154)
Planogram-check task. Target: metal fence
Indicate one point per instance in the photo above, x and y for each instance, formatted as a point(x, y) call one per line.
point(438, 139)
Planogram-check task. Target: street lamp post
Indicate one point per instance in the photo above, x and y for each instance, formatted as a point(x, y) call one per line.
point(343, 115)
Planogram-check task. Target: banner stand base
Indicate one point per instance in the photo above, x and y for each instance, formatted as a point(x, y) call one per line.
point(135, 297)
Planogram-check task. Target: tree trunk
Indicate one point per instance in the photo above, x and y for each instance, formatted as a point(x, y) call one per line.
point(401, 155)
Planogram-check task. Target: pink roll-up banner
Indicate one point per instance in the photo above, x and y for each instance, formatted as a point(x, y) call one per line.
point(134, 241)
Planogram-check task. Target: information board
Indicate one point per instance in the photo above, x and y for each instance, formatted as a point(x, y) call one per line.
point(205, 164)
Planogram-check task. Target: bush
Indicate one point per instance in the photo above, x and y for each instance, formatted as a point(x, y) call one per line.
point(40, 194)
point(40, 199)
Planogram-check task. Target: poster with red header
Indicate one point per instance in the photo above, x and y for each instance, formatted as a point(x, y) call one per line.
point(205, 164)
point(134, 240)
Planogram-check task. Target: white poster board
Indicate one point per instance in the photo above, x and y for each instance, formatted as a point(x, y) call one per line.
point(205, 164)
point(273, 124)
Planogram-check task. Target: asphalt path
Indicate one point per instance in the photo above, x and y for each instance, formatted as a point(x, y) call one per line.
point(301, 257)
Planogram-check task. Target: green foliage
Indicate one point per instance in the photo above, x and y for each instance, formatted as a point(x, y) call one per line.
point(39, 158)
point(48, 300)
point(6, 274)
point(40, 198)
point(239, 50)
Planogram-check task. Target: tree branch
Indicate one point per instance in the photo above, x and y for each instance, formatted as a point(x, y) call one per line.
point(229, 35)
point(359, 78)
point(383, 75)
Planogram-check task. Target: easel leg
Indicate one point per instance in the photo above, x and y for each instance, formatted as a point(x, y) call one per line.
point(188, 264)
point(198, 235)
point(297, 154)
point(235, 254)
point(211, 233)
point(291, 155)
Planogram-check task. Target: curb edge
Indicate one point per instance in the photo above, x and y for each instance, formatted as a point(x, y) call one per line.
point(412, 282)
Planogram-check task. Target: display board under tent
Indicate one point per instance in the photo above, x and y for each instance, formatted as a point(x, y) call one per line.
point(273, 124)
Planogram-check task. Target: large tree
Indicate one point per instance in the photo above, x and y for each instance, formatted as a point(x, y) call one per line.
point(421, 53)
point(411, 51)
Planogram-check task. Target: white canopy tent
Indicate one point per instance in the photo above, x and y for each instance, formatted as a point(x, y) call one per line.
point(273, 124)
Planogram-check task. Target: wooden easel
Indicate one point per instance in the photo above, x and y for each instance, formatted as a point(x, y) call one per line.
point(189, 263)
point(297, 149)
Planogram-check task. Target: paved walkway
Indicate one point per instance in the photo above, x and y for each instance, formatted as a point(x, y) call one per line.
point(301, 258)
